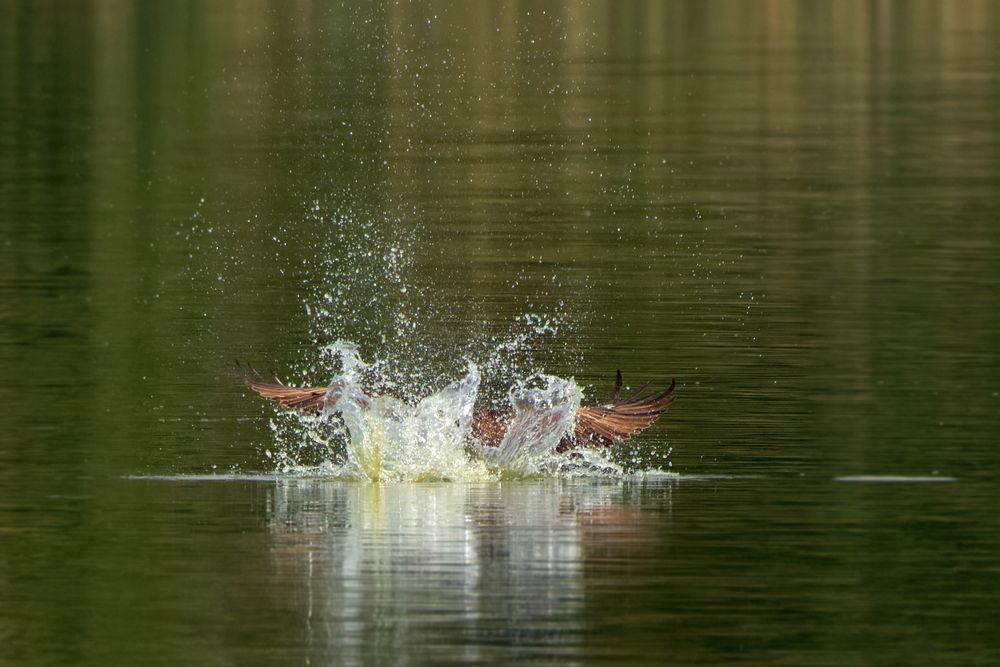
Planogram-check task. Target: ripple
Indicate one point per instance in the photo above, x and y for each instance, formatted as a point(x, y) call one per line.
point(895, 479)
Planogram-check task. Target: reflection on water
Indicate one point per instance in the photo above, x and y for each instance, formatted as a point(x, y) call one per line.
point(448, 571)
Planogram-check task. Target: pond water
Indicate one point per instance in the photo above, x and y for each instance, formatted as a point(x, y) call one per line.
point(791, 207)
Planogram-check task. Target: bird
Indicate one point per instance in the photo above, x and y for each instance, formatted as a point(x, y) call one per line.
point(597, 426)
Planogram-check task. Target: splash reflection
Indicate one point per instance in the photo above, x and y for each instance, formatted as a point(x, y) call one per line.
point(447, 571)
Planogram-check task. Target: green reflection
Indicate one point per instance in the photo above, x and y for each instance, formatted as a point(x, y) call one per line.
point(790, 206)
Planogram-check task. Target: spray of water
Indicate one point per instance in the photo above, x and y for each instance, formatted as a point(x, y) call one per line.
point(380, 438)
point(542, 416)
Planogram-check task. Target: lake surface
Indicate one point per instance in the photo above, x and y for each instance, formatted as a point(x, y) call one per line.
point(791, 207)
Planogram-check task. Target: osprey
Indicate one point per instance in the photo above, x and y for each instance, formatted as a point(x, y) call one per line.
point(600, 425)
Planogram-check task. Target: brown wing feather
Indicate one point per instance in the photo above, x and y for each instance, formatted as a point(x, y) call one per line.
point(308, 400)
point(490, 426)
point(605, 425)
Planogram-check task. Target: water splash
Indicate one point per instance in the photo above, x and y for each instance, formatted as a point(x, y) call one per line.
point(390, 440)
point(542, 416)
point(380, 438)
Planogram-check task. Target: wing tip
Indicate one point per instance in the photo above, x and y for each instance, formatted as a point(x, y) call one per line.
point(608, 424)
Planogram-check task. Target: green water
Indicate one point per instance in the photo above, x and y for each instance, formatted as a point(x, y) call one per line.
point(791, 207)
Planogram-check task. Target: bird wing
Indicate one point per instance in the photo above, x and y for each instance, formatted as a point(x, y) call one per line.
point(604, 425)
point(596, 426)
point(309, 400)
point(490, 426)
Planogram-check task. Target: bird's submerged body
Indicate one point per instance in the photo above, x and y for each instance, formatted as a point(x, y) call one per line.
point(493, 431)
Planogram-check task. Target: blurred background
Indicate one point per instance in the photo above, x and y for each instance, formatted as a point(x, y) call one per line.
point(791, 207)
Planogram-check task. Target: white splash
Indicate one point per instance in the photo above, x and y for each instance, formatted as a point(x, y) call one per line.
point(542, 416)
point(386, 439)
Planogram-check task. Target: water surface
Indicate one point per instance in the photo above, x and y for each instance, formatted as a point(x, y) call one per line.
point(790, 207)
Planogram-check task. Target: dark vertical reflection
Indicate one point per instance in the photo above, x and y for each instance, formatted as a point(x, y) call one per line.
point(46, 286)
